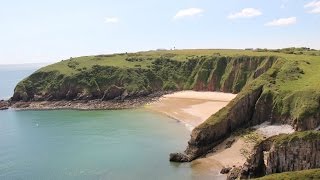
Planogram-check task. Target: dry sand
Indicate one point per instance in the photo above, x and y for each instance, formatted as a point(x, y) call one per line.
point(191, 107)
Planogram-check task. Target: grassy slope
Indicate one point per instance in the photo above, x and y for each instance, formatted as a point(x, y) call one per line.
point(293, 81)
point(306, 174)
point(119, 60)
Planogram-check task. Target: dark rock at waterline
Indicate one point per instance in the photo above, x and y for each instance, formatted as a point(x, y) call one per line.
point(179, 157)
point(4, 105)
point(113, 92)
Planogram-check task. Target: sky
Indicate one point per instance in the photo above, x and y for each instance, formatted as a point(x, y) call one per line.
point(37, 31)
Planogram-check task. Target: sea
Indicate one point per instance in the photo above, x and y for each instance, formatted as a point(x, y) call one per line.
point(87, 145)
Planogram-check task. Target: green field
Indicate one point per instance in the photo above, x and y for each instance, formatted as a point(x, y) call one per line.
point(145, 58)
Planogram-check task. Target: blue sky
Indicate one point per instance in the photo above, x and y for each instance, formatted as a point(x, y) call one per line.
point(41, 31)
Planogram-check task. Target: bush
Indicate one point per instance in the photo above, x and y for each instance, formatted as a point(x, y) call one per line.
point(170, 86)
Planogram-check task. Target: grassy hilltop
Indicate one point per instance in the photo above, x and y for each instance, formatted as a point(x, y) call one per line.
point(290, 76)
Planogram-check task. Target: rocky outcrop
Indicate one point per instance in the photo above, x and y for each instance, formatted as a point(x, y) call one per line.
point(225, 170)
point(283, 153)
point(295, 156)
point(179, 157)
point(4, 105)
point(310, 122)
point(234, 173)
point(86, 104)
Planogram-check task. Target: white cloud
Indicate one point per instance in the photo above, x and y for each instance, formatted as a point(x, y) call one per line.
point(314, 7)
point(282, 22)
point(245, 13)
point(188, 13)
point(112, 20)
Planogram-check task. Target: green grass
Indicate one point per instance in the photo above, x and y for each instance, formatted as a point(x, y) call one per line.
point(297, 136)
point(297, 175)
point(119, 60)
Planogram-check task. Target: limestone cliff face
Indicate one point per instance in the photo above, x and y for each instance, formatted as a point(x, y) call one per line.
point(310, 122)
point(295, 156)
point(299, 151)
point(267, 109)
point(230, 74)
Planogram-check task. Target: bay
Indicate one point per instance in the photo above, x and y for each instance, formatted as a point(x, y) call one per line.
point(70, 144)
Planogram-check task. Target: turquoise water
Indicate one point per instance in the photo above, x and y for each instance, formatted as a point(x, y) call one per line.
point(126, 144)
point(88, 145)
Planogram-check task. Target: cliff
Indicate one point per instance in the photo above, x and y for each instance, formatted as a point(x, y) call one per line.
point(94, 78)
point(283, 153)
point(286, 93)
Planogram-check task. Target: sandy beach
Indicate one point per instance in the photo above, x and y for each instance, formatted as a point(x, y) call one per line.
point(191, 107)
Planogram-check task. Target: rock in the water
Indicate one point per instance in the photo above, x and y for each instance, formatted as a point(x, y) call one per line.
point(179, 157)
point(4, 105)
